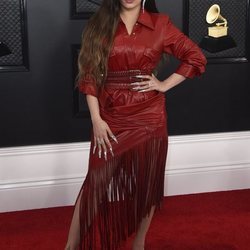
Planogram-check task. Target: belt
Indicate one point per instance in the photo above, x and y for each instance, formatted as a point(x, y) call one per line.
point(123, 79)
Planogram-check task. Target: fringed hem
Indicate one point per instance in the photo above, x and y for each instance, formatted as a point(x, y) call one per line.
point(116, 196)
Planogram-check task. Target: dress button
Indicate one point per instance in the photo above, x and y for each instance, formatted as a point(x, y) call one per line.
point(133, 33)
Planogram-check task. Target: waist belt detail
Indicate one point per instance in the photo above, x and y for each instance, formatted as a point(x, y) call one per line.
point(123, 79)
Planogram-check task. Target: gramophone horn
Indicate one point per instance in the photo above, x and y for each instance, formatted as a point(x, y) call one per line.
point(213, 13)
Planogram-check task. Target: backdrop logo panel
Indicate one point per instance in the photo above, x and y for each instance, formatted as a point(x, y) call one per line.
point(13, 36)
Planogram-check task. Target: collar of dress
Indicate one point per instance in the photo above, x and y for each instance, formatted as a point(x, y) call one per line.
point(144, 19)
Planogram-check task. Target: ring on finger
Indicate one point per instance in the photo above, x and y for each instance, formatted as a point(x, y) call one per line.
point(99, 141)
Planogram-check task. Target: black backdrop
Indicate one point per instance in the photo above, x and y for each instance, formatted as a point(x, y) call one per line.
point(36, 107)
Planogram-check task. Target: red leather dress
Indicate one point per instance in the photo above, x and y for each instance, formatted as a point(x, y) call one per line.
point(119, 192)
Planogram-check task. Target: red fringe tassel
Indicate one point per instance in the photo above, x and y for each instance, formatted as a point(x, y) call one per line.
point(115, 197)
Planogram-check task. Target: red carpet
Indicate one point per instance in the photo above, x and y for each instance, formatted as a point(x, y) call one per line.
point(208, 221)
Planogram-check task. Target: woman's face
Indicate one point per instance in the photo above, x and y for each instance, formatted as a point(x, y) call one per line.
point(130, 4)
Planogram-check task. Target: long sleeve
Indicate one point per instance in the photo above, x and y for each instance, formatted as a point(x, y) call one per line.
point(87, 86)
point(183, 48)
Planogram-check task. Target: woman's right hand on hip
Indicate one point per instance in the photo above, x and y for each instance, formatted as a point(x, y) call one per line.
point(102, 133)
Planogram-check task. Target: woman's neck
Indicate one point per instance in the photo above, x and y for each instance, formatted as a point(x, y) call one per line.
point(130, 15)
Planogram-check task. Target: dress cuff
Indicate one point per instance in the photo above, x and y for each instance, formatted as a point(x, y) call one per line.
point(189, 71)
point(87, 87)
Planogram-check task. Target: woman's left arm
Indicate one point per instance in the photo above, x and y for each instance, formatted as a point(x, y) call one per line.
point(170, 82)
point(176, 43)
point(192, 60)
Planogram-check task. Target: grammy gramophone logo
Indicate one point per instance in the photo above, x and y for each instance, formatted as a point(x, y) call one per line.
point(217, 38)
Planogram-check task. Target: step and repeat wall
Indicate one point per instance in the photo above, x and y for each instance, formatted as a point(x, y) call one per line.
point(39, 44)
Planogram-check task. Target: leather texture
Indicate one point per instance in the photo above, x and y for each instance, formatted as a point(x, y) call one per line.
point(128, 184)
point(152, 35)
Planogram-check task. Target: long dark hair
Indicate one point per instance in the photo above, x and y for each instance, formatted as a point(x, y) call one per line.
point(97, 39)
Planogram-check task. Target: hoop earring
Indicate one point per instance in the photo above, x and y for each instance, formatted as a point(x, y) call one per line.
point(143, 5)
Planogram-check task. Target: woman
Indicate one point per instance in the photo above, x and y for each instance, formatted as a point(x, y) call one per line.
point(121, 45)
